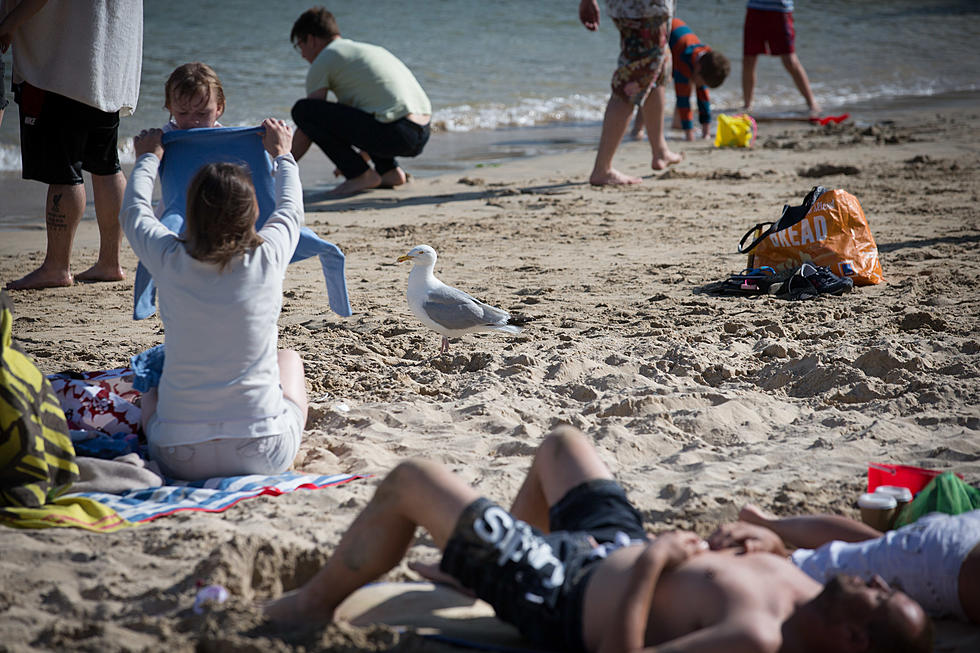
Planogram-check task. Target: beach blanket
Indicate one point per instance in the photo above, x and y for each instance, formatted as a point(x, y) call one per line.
point(437, 612)
point(102, 408)
point(209, 495)
point(185, 152)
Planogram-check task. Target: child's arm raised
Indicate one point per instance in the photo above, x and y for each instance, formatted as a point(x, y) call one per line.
point(148, 238)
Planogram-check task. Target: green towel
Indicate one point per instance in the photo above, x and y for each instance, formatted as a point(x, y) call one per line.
point(946, 493)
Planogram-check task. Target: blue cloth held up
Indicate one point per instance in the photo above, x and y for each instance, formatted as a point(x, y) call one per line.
point(185, 151)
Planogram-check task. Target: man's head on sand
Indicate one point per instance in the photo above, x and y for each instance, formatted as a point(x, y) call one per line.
point(194, 96)
point(872, 618)
point(312, 31)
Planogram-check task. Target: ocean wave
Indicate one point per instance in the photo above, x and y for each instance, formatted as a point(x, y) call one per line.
point(589, 108)
point(526, 113)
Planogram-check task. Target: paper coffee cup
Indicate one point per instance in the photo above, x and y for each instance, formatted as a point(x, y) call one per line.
point(902, 495)
point(877, 510)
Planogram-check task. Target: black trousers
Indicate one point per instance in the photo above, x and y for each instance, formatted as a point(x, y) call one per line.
point(338, 128)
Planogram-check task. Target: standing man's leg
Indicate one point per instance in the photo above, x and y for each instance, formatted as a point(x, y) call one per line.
point(615, 122)
point(416, 493)
point(643, 62)
point(753, 44)
point(108, 191)
point(63, 211)
point(748, 80)
point(792, 64)
point(653, 118)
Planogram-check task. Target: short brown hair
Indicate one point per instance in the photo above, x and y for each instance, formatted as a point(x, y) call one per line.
point(314, 22)
point(887, 637)
point(193, 79)
point(221, 214)
point(713, 68)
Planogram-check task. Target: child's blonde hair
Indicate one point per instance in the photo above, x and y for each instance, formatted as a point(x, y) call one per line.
point(192, 79)
point(221, 214)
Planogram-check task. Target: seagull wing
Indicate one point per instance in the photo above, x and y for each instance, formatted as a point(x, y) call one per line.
point(454, 309)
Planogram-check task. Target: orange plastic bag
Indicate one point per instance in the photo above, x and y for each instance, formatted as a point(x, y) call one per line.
point(828, 229)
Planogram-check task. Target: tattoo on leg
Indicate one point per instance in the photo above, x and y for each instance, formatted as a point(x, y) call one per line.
point(55, 201)
point(57, 221)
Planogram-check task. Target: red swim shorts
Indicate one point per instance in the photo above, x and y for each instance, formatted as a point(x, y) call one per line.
point(768, 32)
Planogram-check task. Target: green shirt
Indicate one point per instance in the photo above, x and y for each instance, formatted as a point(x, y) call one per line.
point(369, 78)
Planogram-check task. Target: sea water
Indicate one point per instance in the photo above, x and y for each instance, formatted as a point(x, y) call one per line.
point(512, 78)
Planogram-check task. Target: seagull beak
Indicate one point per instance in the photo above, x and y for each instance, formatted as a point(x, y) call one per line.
point(406, 257)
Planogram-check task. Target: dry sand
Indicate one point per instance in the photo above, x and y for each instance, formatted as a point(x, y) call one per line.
point(698, 403)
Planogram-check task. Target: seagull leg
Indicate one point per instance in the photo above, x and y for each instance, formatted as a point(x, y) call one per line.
point(445, 346)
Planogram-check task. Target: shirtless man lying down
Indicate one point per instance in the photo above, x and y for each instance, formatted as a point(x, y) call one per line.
point(571, 566)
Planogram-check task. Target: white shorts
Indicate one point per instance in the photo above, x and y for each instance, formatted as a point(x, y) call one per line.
point(269, 454)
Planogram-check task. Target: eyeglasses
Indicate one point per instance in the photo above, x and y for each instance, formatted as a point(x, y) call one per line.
point(298, 45)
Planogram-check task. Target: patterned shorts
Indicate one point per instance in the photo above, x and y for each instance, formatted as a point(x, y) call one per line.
point(644, 57)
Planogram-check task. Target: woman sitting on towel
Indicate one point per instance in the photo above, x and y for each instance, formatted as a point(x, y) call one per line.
point(229, 403)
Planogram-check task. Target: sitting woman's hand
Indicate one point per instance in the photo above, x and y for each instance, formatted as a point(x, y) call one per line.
point(149, 141)
point(278, 137)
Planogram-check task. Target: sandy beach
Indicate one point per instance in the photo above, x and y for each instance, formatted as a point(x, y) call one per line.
point(699, 404)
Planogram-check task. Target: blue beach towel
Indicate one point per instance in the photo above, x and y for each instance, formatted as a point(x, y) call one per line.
point(185, 152)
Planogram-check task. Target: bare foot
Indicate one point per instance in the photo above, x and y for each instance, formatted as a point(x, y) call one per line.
point(815, 111)
point(638, 134)
point(666, 158)
point(753, 514)
point(612, 178)
point(393, 178)
point(42, 278)
point(366, 181)
point(101, 273)
point(288, 610)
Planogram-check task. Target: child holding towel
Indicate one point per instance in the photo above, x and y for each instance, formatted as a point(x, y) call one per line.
point(229, 403)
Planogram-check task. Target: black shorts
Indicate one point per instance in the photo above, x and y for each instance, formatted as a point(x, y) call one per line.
point(537, 581)
point(60, 137)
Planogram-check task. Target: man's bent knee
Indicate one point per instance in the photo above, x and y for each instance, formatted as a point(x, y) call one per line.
point(303, 112)
point(561, 438)
point(407, 475)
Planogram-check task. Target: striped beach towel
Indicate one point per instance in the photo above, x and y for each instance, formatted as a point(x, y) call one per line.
point(210, 495)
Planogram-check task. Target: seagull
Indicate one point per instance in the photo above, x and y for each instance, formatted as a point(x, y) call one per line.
point(448, 310)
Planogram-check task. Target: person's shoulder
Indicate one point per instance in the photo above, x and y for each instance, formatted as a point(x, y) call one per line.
point(349, 47)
